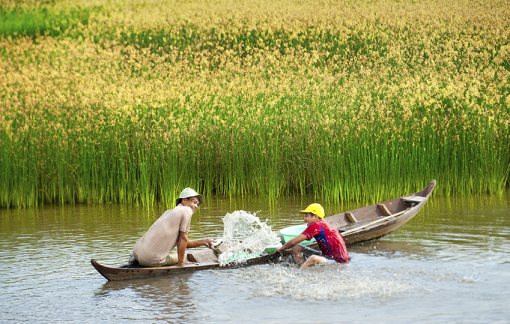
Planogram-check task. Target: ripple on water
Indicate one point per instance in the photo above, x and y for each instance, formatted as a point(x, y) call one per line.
point(440, 267)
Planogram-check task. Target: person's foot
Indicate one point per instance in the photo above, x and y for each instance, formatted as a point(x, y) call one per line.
point(132, 260)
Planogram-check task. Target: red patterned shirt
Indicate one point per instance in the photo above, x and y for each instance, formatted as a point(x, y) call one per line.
point(329, 239)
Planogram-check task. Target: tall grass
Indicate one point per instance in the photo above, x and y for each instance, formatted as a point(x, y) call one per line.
point(344, 102)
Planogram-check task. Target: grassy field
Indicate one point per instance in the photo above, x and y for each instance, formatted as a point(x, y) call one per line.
point(131, 101)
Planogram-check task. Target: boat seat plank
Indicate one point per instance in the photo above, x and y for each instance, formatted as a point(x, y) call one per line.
point(351, 217)
point(384, 209)
point(413, 199)
point(205, 255)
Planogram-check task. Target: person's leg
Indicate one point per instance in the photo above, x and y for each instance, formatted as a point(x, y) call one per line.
point(172, 258)
point(297, 253)
point(314, 259)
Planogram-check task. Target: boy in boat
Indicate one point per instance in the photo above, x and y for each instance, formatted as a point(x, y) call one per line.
point(154, 248)
point(328, 238)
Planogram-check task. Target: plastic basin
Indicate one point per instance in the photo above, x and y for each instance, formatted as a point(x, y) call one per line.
point(291, 232)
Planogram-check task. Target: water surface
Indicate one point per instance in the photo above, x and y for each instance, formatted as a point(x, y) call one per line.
point(451, 263)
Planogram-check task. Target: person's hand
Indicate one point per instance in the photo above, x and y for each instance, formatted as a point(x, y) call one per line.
point(209, 242)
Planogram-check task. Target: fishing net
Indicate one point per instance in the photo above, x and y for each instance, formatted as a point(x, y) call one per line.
point(244, 237)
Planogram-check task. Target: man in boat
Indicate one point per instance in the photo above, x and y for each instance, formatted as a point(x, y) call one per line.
point(154, 248)
point(328, 238)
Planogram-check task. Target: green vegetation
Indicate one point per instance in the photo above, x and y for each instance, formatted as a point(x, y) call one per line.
point(29, 21)
point(132, 102)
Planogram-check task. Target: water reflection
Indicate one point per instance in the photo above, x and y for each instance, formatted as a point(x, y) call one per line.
point(165, 298)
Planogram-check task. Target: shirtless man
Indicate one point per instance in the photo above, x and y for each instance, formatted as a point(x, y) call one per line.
point(154, 248)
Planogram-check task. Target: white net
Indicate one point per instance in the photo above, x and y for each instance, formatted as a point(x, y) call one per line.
point(244, 237)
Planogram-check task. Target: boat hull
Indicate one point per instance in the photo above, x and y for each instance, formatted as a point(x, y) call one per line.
point(380, 231)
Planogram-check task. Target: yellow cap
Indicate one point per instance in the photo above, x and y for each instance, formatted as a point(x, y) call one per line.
point(314, 209)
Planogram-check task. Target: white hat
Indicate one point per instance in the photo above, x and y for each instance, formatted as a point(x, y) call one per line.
point(188, 193)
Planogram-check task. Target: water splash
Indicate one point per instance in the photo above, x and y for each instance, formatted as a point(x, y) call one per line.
point(324, 282)
point(244, 237)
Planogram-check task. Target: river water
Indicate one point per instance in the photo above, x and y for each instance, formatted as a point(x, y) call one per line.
point(451, 263)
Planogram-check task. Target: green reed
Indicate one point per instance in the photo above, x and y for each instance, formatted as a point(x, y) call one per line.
point(369, 165)
point(317, 138)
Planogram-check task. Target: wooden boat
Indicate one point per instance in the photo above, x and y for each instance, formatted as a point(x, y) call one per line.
point(359, 225)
